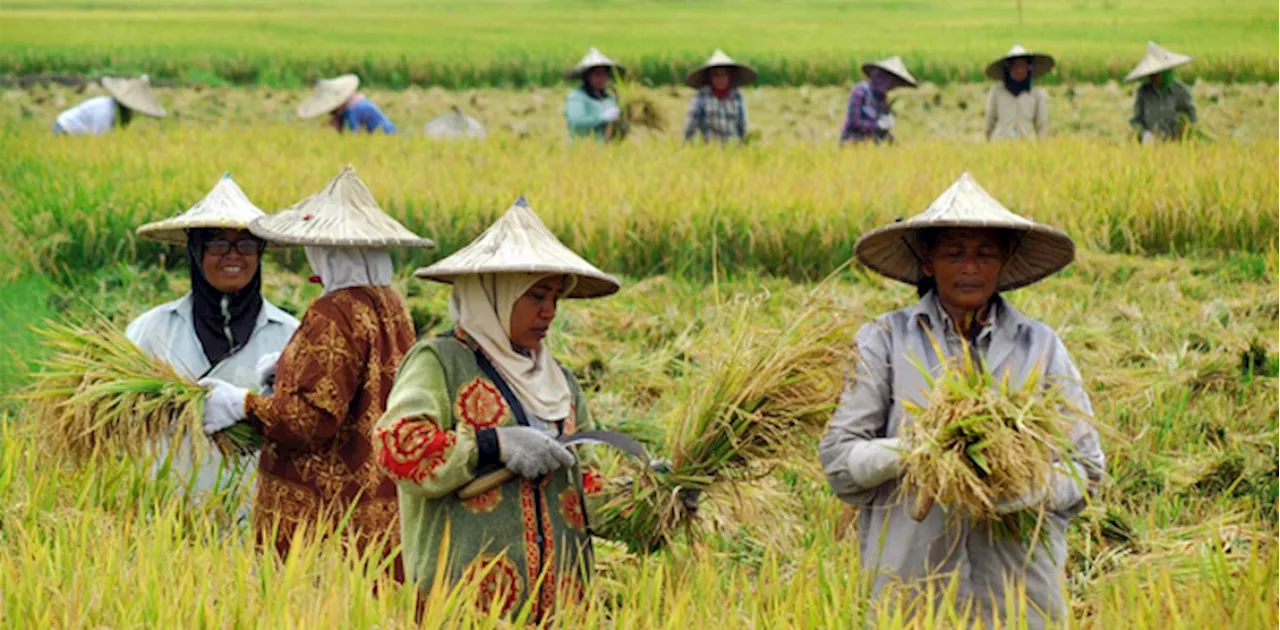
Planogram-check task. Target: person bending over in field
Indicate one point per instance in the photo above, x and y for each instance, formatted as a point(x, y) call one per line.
point(591, 107)
point(869, 116)
point(1162, 108)
point(331, 384)
point(101, 114)
point(1016, 109)
point(222, 328)
point(960, 253)
point(716, 111)
point(489, 395)
point(348, 109)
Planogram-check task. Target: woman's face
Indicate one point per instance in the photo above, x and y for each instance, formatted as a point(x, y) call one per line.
point(598, 78)
point(532, 314)
point(1019, 70)
point(230, 259)
point(966, 263)
point(720, 78)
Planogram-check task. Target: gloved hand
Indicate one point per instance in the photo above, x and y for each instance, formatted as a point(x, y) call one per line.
point(885, 122)
point(1147, 137)
point(266, 368)
point(223, 405)
point(1065, 488)
point(531, 453)
point(610, 113)
point(876, 461)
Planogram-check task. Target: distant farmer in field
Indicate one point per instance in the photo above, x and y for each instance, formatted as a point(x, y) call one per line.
point(869, 116)
point(1163, 108)
point(348, 109)
point(222, 328)
point(485, 396)
point(1015, 108)
point(101, 114)
point(333, 378)
point(960, 253)
point(591, 107)
point(716, 111)
point(455, 126)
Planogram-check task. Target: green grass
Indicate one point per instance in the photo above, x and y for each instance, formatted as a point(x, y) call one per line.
point(26, 302)
point(468, 44)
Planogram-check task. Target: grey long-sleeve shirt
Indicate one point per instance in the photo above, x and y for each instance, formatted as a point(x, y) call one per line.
point(893, 546)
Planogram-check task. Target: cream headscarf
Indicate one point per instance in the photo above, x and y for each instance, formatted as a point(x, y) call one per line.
point(344, 267)
point(481, 307)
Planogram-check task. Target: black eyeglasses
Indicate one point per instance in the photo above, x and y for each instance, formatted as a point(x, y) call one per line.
point(222, 247)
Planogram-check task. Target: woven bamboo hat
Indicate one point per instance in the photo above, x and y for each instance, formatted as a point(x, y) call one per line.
point(1041, 63)
point(519, 242)
point(893, 65)
point(742, 73)
point(225, 207)
point(896, 250)
point(456, 125)
point(593, 59)
point(1157, 60)
point(135, 94)
point(329, 94)
point(344, 214)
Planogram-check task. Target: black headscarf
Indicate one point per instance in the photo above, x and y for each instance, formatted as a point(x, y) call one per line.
point(591, 91)
point(1017, 87)
point(220, 332)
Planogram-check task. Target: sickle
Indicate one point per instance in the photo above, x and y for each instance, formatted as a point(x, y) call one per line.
point(624, 443)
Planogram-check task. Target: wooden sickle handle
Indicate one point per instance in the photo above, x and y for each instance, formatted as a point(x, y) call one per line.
point(922, 509)
point(481, 485)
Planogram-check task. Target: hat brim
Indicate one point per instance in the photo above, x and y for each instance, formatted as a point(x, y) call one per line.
point(320, 104)
point(907, 81)
point(1040, 65)
point(174, 231)
point(144, 104)
point(589, 285)
point(282, 229)
point(742, 75)
point(1142, 73)
point(894, 251)
point(578, 72)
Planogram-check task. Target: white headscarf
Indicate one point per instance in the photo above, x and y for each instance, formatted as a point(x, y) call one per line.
point(481, 307)
point(344, 267)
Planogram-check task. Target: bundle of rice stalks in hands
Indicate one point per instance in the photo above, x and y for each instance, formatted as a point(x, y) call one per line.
point(636, 110)
point(735, 420)
point(98, 393)
point(979, 440)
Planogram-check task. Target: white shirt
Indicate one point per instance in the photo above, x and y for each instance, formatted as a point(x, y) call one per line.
point(94, 116)
point(1023, 116)
point(167, 332)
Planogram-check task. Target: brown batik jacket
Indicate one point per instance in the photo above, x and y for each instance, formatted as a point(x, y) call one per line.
point(331, 387)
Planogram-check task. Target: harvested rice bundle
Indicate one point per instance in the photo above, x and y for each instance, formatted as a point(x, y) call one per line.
point(97, 392)
point(979, 441)
point(736, 421)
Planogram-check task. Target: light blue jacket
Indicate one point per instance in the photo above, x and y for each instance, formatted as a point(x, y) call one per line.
point(582, 113)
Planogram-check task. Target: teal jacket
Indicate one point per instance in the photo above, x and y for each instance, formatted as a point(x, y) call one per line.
point(582, 113)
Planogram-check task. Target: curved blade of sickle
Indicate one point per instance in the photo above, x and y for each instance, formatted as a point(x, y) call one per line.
point(617, 440)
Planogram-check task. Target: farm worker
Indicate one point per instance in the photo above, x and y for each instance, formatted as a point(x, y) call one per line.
point(454, 126)
point(222, 328)
point(101, 114)
point(869, 116)
point(716, 111)
point(333, 377)
point(489, 395)
point(348, 109)
point(960, 253)
point(591, 107)
point(1162, 108)
point(1016, 109)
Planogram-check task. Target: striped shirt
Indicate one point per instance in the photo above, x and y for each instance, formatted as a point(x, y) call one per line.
point(865, 108)
point(716, 118)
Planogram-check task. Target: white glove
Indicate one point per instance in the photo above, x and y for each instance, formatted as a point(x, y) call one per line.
point(885, 122)
point(1065, 488)
point(223, 405)
point(531, 453)
point(1148, 137)
point(873, 462)
point(610, 113)
point(266, 368)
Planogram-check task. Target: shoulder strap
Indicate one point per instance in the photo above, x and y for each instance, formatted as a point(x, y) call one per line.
point(487, 367)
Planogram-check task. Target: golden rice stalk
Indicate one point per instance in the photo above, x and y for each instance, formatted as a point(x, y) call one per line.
point(737, 420)
point(979, 440)
point(97, 392)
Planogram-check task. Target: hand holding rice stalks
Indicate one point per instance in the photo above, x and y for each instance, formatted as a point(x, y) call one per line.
point(97, 392)
point(979, 441)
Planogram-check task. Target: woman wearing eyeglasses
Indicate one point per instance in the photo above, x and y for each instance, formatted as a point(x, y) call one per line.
point(222, 328)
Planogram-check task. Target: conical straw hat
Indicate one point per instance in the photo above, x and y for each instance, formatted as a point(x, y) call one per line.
point(893, 65)
point(225, 207)
point(1041, 64)
point(1157, 60)
point(344, 214)
point(519, 242)
point(454, 126)
point(593, 59)
point(329, 94)
point(742, 73)
point(895, 250)
point(134, 94)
